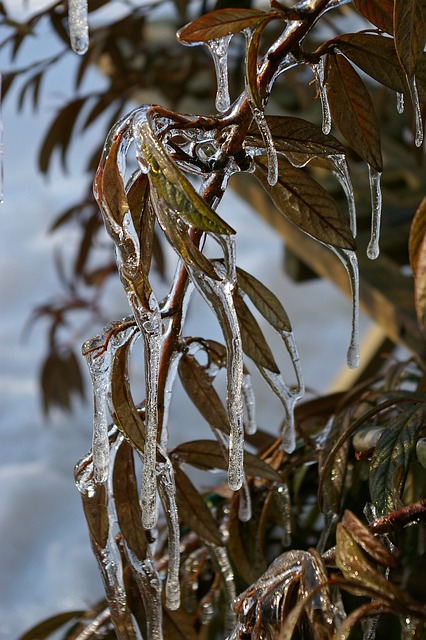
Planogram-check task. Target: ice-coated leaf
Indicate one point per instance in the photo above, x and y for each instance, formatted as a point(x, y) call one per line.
point(173, 189)
point(352, 110)
point(217, 24)
point(392, 457)
point(192, 509)
point(125, 414)
point(254, 342)
point(378, 12)
point(417, 252)
point(409, 33)
point(198, 385)
point(264, 300)
point(307, 205)
point(144, 223)
point(126, 500)
point(253, 42)
point(95, 507)
point(208, 454)
point(109, 184)
point(296, 136)
point(367, 541)
point(47, 627)
point(332, 480)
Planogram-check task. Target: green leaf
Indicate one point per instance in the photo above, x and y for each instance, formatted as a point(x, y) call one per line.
point(207, 455)
point(173, 189)
point(352, 110)
point(192, 509)
point(378, 12)
point(410, 33)
point(264, 300)
point(392, 457)
point(417, 253)
point(218, 24)
point(198, 385)
point(50, 625)
point(126, 501)
point(253, 340)
point(306, 204)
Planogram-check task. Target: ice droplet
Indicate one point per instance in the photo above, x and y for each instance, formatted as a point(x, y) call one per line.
point(78, 25)
point(350, 262)
point(341, 171)
point(271, 151)
point(373, 248)
point(219, 50)
point(167, 491)
point(400, 102)
point(249, 404)
point(412, 86)
point(318, 70)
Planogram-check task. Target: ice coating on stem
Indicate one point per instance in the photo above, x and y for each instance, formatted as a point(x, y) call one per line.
point(412, 86)
point(350, 262)
point(318, 70)
point(373, 248)
point(291, 346)
point(244, 504)
point(78, 25)
point(288, 400)
point(282, 499)
point(221, 559)
point(400, 102)
point(219, 50)
point(167, 491)
point(341, 171)
point(149, 584)
point(249, 404)
point(271, 151)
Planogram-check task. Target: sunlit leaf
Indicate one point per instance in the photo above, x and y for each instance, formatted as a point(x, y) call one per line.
point(198, 386)
point(47, 627)
point(218, 24)
point(192, 509)
point(417, 253)
point(392, 457)
point(207, 455)
point(254, 342)
point(378, 12)
point(264, 300)
point(251, 64)
point(410, 33)
point(109, 184)
point(306, 204)
point(352, 110)
point(126, 501)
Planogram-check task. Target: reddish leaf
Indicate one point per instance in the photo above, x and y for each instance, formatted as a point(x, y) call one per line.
point(307, 205)
point(410, 34)
point(366, 540)
point(378, 12)
point(352, 110)
point(251, 64)
point(192, 509)
point(417, 252)
point(218, 24)
point(109, 185)
point(198, 386)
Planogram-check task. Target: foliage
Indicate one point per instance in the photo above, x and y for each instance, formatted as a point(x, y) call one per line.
point(261, 557)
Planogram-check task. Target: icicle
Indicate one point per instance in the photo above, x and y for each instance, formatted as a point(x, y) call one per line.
point(99, 363)
point(350, 262)
point(250, 404)
point(244, 504)
point(400, 102)
point(367, 438)
point(219, 51)
point(373, 249)
point(292, 350)
point(271, 151)
point(288, 400)
point(282, 498)
point(1, 145)
point(318, 70)
point(149, 584)
point(341, 171)
point(221, 559)
point(167, 490)
point(78, 25)
point(412, 86)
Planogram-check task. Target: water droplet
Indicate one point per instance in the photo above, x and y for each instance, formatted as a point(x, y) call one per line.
point(373, 248)
point(78, 25)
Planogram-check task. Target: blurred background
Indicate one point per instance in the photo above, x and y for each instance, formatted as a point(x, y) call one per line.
point(46, 565)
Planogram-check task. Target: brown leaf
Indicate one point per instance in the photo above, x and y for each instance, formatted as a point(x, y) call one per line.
point(177, 625)
point(218, 24)
point(307, 205)
point(410, 33)
point(251, 64)
point(252, 338)
point(192, 509)
point(126, 500)
point(198, 386)
point(417, 252)
point(47, 627)
point(371, 545)
point(143, 218)
point(59, 134)
point(207, 455)
point(109, 185)
point(96, 513)
point(264, 300)
point(352, 110)
point(378, 12)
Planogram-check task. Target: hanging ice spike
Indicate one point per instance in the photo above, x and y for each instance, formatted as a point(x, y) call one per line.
point(78, 25)
point(219, 51)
